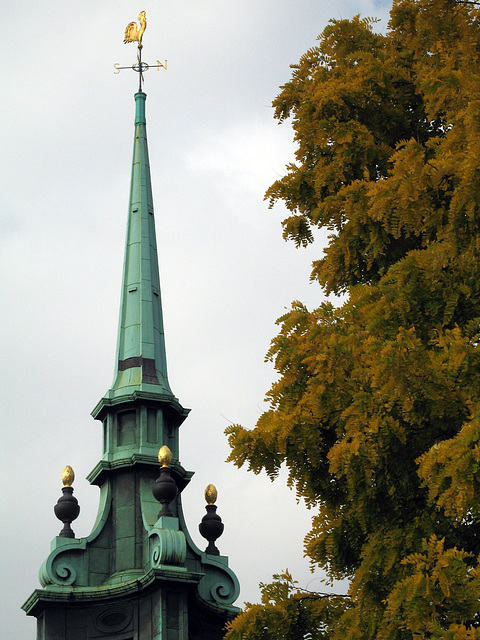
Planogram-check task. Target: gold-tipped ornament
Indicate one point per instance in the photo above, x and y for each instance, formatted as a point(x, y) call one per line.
point(164, 456)
point(211, 526)
point(211, 494)
point(67, 508)
point(68, 476)
point(165, 489)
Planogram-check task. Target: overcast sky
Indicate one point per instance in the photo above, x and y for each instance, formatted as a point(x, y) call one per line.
point(226, 274)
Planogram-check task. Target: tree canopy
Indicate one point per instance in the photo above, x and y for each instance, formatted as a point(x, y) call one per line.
point(376, 411)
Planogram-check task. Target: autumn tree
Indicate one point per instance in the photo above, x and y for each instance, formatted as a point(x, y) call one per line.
point(287, 612)
point(376, 411)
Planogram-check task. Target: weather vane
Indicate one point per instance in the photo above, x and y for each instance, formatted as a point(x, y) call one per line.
point(133, 34)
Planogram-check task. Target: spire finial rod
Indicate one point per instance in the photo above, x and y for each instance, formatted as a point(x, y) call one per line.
point(140, 68)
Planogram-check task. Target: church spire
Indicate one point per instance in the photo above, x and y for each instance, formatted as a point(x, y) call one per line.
point(139, 412)
point(141, 360)
point(138, 574)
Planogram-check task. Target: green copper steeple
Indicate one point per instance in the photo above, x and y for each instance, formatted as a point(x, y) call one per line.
point(141, 361)
point(138, 574)
point(139, 412)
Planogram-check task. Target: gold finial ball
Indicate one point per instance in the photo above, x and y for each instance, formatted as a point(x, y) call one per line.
point(68, 476)
point(164, 456)
point(211, 494)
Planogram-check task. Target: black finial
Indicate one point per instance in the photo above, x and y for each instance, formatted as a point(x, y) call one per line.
point(211, 526)
point(67, 507)
point(164, 490)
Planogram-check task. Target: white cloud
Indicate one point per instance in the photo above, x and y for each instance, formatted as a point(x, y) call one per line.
point(246, 156)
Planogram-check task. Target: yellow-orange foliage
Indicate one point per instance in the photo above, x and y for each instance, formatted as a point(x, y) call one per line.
point(376, 412)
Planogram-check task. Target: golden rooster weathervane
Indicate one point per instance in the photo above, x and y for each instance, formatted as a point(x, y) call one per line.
point(134, 34)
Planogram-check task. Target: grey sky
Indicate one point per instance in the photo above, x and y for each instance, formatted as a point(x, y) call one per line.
point(226, 273)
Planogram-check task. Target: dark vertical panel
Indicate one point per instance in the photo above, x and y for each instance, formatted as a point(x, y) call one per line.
point(152, 425)
point(126, 425)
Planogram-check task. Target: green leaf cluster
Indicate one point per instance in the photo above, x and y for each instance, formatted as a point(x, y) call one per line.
point(376, 411)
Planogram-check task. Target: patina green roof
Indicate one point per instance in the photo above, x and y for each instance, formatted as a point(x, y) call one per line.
point(141, 360)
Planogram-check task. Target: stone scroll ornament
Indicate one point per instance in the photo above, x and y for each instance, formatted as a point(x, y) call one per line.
point(168, 547)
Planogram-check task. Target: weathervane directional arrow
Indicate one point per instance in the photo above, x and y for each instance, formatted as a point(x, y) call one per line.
point(132, 34)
